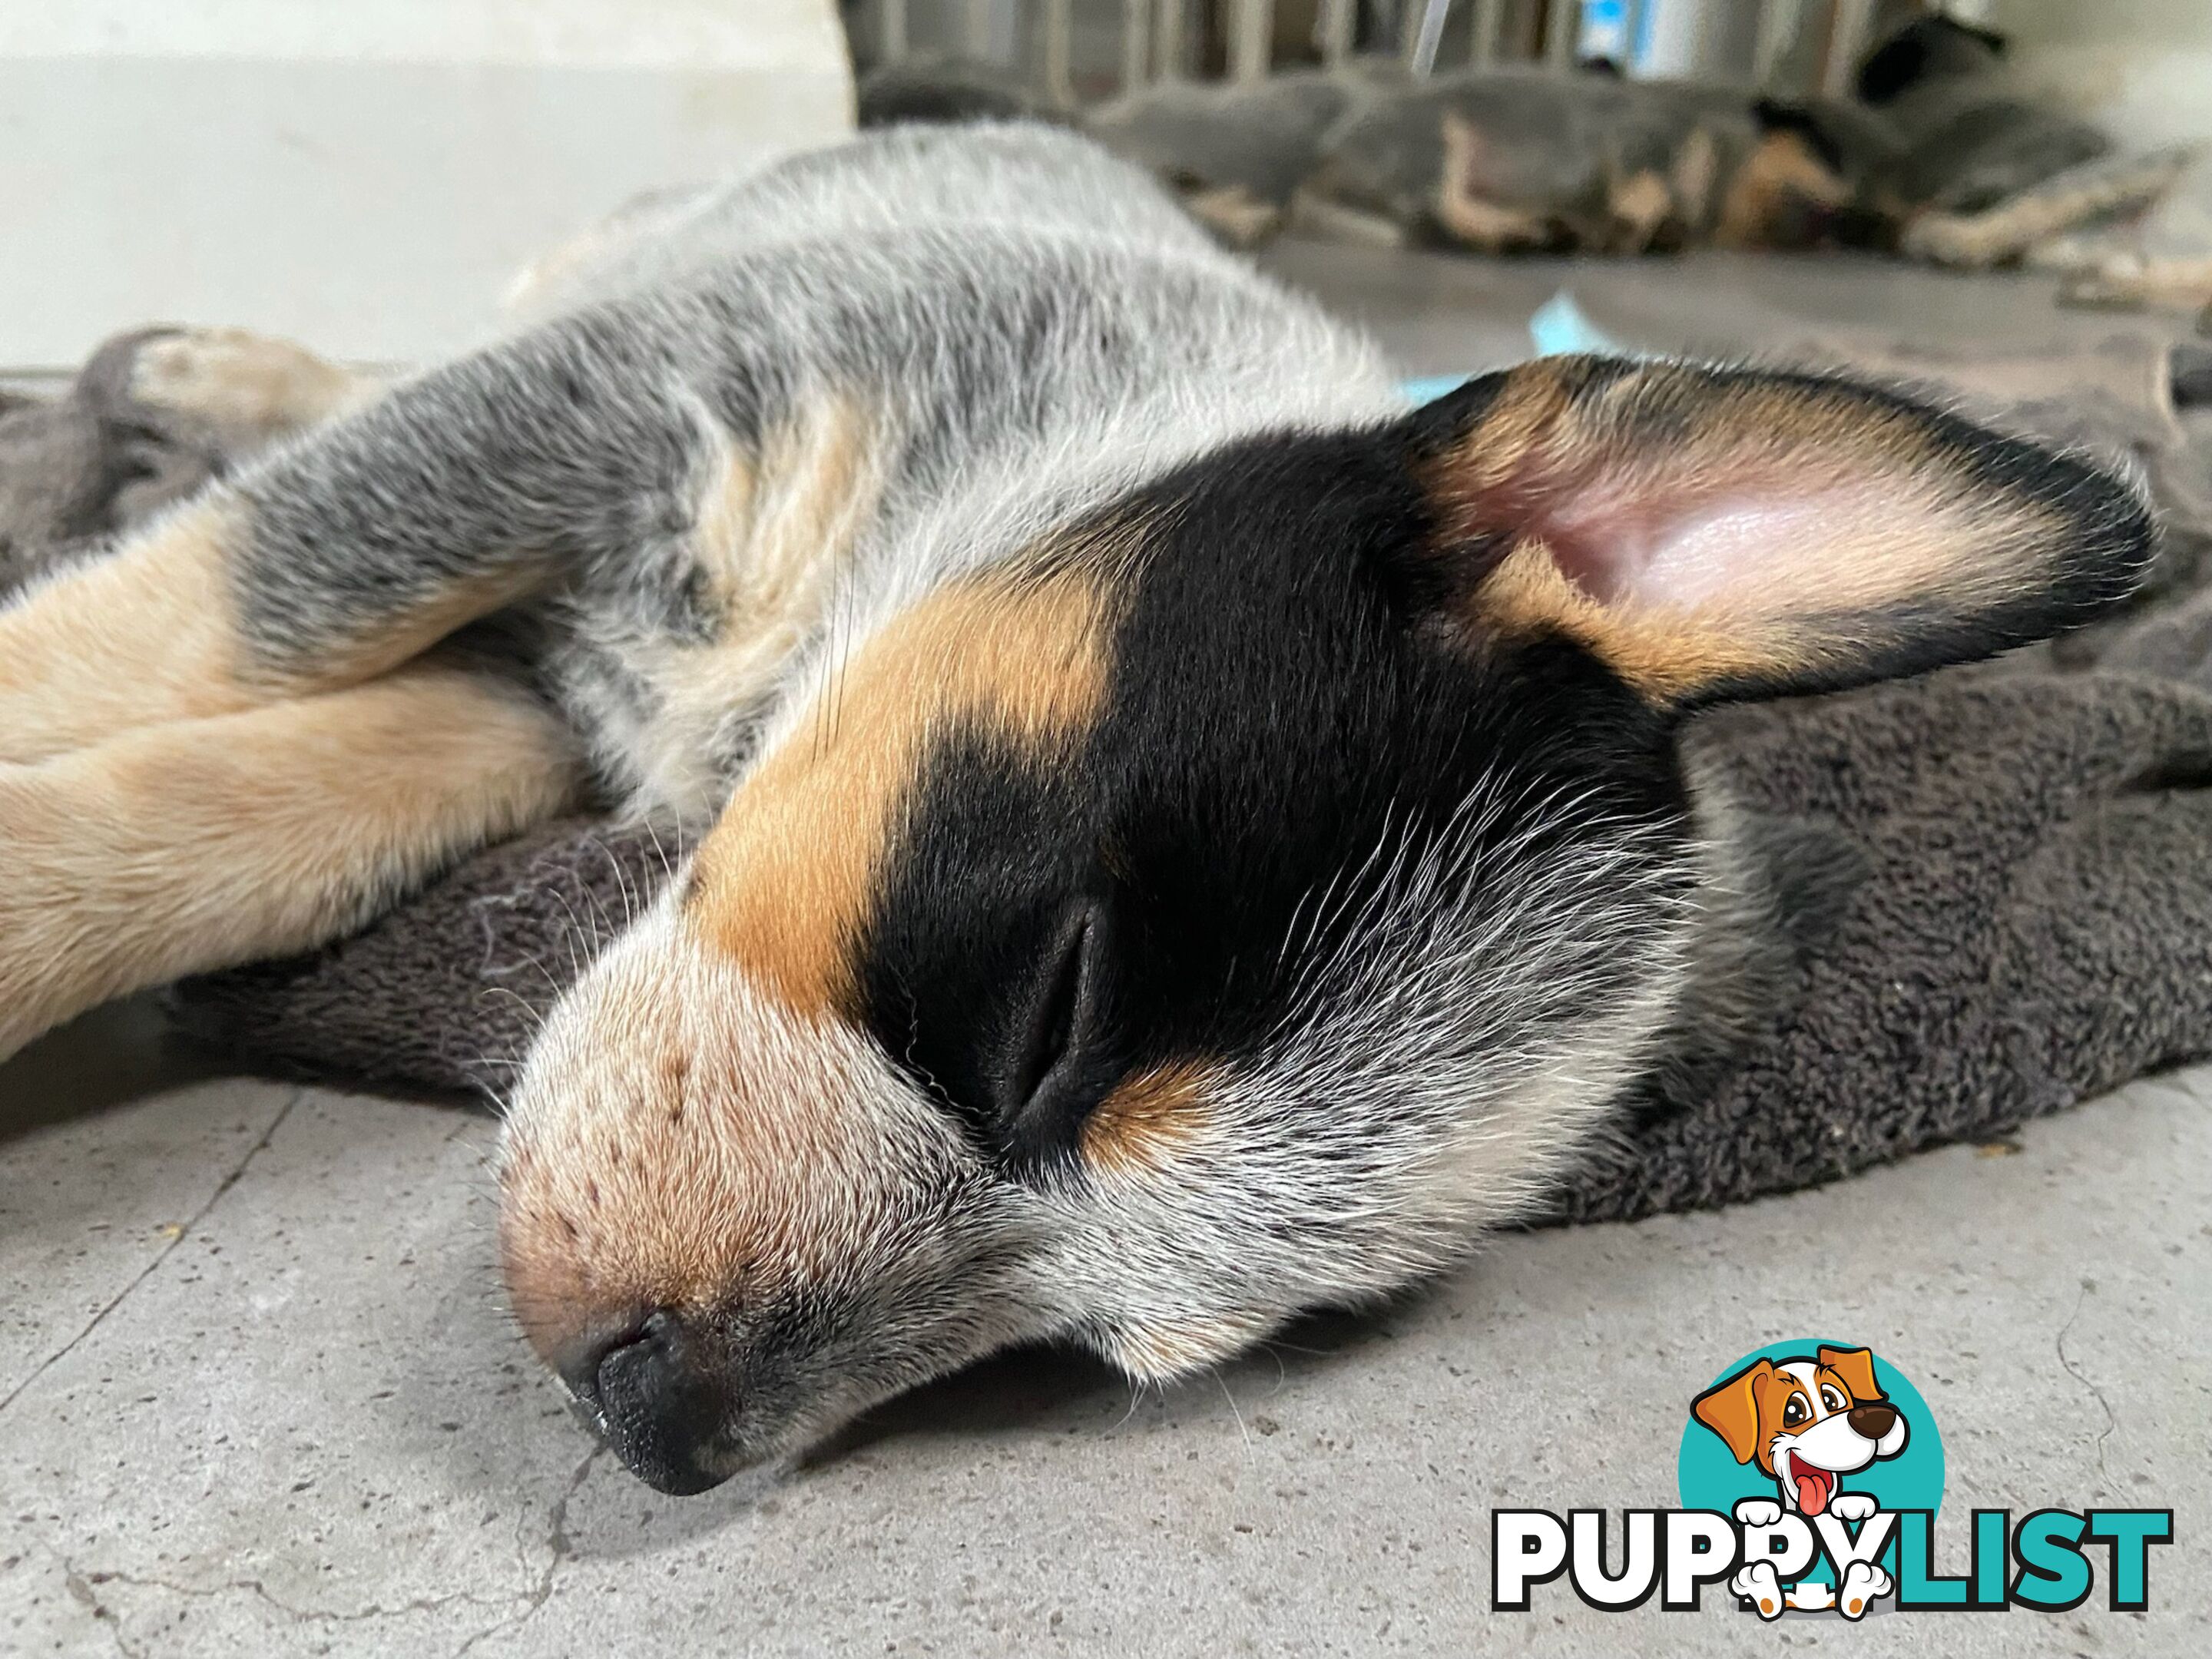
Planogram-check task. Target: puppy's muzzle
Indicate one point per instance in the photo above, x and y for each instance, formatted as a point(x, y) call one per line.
point(652, 1399)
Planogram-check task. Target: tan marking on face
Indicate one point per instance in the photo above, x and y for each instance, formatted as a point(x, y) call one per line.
point(1462, 209)
point(1146, 1120)
point(787, 878)
point(194, 845)
point(1863, 510)
point(1781, 171)
point(681, 1141)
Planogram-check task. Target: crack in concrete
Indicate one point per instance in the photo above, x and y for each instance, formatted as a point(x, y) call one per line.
point(2104, 1469)
point(76, 1578)
point(163, 1255)
point(82, 1592)
point(560, 1549)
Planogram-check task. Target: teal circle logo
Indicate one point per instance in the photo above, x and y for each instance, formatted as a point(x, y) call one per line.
point(1798, 1424)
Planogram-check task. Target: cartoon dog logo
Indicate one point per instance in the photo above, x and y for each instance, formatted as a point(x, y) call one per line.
point(1807, 1423)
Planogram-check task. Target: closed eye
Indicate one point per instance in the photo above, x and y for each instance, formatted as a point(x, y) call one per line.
point(1057, 1066)
point(1051, 1025)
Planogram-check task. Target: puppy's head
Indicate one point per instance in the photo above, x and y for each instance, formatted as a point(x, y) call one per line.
point(1805, 1422)
point(1236, 904)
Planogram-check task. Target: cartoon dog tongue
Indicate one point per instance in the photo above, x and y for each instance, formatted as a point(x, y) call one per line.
point(1814, 1486)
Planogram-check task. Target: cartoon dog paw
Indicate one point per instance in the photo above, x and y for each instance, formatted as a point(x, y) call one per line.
point(1759, 1512)
point(1864, 1585)
point(1757, 1585)
point(1853, 1506)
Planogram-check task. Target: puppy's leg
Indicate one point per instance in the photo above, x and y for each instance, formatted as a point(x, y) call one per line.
point(177, 848)
point(355, 549)
point(146, 634)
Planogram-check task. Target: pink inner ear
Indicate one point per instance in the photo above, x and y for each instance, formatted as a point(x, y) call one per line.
point(1682, 545)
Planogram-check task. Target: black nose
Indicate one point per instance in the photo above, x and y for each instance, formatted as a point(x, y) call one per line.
point(656, 1402)
point(1872, 1422)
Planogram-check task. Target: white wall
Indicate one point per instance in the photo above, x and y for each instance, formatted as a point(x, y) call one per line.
point(364, 175)
point(2143, 67)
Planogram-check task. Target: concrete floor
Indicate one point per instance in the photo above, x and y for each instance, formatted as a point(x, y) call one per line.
point(258, 1395)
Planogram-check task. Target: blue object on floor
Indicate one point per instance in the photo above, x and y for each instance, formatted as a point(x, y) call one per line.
point(1555, 328)
point(1559, 326)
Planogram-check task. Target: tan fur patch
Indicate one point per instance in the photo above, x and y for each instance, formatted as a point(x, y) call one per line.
point(146, 636)
point(177, 848)
point(681, 1141)
point(1637, 204)
point(1663, 655)
point(400, 636)
point(1695, 171)
point(1146, 1120)
point(150, 634)
point(1460, 207)
point(1160, 1350)
point(1781, 171)
point(773, 529)
point(255, 388)
point(786, 879)
point(1234, 215)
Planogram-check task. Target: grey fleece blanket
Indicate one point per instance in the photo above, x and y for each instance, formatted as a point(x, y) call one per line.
point(2015, 860)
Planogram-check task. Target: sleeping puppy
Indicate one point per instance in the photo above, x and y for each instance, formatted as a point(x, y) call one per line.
point(1187, 841)
point(1501, 161)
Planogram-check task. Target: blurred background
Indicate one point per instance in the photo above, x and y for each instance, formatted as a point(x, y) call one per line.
point(367, 175)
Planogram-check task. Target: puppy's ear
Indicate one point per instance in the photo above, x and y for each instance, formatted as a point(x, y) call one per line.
point(1730, 1409)
point(1855, 1367)
point(1716, 534)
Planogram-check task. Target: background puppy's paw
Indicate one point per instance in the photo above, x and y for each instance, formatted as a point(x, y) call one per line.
point(1758, 1511)
point(1852, 1506)
point(249, 388)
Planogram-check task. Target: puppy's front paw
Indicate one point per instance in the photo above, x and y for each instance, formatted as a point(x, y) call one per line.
point(1758, 1511)
point(1864, 1585)
point(1852, 1506)
point(1757, 1585)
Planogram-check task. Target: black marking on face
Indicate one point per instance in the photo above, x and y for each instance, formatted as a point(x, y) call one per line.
point(1049, 924)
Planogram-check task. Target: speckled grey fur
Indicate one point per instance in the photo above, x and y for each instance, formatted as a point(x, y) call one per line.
point(1044, 331)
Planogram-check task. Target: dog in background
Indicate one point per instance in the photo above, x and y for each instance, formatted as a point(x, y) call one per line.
point(1942, 155)
point(1185, 840)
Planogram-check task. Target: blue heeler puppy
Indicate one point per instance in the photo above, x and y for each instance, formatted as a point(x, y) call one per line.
point(1185, 840)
